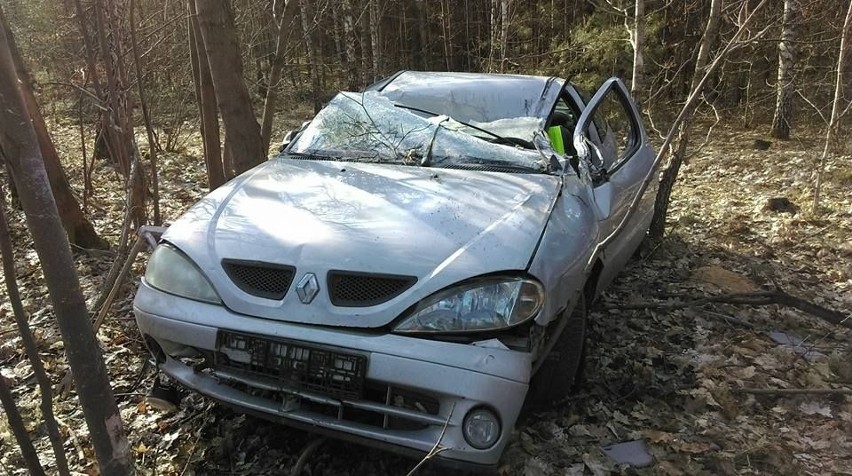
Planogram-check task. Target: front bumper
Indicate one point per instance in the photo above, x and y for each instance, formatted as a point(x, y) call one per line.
point(455, 378)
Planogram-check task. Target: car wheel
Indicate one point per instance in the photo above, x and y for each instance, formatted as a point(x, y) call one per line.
point(561, 372)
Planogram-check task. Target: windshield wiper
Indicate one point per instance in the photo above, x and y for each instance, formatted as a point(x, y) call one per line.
point(496, 137)
point(493, 164)
point(312, 155)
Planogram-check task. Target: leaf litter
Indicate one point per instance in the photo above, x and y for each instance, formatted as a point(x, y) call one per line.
point(667, 384)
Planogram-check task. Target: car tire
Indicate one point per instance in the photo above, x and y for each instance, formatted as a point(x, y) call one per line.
point(561, 372)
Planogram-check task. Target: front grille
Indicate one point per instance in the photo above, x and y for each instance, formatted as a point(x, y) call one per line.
point(351, 289)
point(266, 280)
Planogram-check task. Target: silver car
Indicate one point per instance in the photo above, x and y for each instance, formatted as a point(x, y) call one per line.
point(414, 264)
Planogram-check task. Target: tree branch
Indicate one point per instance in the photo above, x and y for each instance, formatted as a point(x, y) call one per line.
point(762, 298)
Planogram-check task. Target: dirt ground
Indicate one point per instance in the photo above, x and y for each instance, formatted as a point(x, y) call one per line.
point(675, 375)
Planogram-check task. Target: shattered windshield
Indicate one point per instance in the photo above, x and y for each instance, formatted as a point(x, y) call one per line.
point(369, 127)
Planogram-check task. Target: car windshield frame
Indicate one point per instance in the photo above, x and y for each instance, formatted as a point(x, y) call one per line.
point(369, 127)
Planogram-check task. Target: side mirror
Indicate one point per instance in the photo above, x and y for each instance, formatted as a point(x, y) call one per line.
point(291, 135)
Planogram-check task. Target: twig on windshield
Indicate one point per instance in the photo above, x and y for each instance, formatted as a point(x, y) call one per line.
point(391, 143)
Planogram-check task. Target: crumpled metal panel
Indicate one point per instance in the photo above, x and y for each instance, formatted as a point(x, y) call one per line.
point(475, 96)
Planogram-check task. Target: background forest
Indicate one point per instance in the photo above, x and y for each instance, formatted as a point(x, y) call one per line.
point(139, 107)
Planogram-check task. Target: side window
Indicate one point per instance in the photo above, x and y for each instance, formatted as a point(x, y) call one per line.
point(561, 125)
point(616, 130)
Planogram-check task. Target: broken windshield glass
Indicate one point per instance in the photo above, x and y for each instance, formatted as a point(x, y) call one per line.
point(368, 127)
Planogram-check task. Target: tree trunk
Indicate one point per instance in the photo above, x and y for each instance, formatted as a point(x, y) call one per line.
point(423, 24)
point(80, 231)
point(445, 33)
point(20, 144)
point(492, 35)
point(149, 128)
point(243, 143)
point(504, 34)
point(374, 38)
point(831, 129)
point(30, 347)
point(783, 119)
point(637, 83)
point(205, 97)
point(118, 133)
point(274, 77)
point(363, 37)
point(351, 40)
point(16, 423)
point(309, 48)
point(667, 181)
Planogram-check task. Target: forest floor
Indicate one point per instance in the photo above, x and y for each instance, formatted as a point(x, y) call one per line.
point(661, 373)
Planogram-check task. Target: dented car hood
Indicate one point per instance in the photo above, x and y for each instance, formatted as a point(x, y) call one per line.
point(439, 225)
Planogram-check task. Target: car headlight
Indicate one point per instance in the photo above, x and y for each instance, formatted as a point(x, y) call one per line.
point(481, 305)
point(173, 272)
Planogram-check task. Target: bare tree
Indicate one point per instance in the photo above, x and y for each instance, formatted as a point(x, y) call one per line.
point(686, 112)
point(30, 348)
point(836, 113)
point(351, 40)
point(80, 230)
point(16, 423)
point(784, 87)
point(121, 143)
point(146, 115)
point(637, 40)
point(661, 204)
point(279, 15)
point(205, 97)
point(20, 145)
point(304, 5)
point(703, 68)
point(375, 45)
point(423, 28)
point(243, 144)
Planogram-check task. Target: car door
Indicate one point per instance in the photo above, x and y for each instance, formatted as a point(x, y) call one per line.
point(611, 141)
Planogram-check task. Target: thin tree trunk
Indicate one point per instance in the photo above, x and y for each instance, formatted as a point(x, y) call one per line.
point(149, 128)
point(351, 40)
point(30, 346)
point(243, 144)
point(123, 148)
point(312, 58)
point(493, 36)
point(638, 83)
point(101, 134)
point(504, 33)
point(667, 181)
point(691, 101)
point(423, 25)
point(16, 423)
point(363, 38)
point(205, 96)
point(20, 144)
point(374, 38)
point(274, 78)
point(445, 29)
point(785, 89)
point(831, 130)
point(80, 230)
point(116, 99)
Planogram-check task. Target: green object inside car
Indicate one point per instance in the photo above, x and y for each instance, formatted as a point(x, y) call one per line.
point(554, 133)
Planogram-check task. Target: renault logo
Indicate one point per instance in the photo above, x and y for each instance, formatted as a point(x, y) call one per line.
point(307, 288)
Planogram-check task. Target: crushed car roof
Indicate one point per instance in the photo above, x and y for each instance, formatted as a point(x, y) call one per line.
point(477, 97)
